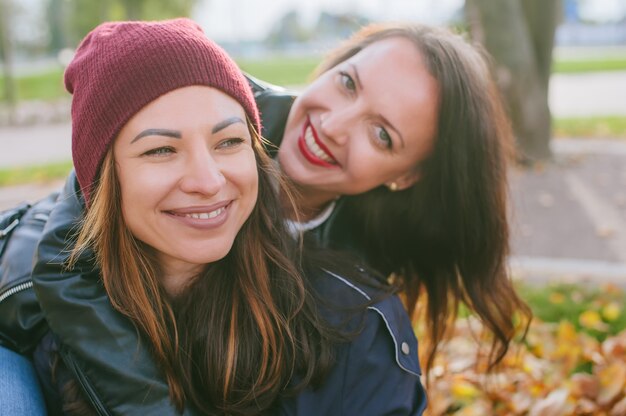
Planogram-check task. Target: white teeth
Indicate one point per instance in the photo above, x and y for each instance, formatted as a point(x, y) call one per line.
point(206, 215)
point(314, 147)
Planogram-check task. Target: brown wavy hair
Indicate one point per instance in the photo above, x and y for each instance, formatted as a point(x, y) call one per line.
point(448, 234)
point(232, 340)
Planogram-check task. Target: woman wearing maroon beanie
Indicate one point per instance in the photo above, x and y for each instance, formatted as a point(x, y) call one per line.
point(174, 210)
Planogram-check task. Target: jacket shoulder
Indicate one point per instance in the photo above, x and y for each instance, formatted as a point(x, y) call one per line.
point(259, 86)
point(274, 104)
point(376, 372)
point(383, 309)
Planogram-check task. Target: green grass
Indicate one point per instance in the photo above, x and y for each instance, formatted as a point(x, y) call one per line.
point(595, 127)
point(558, 302)
point(281, 70)
point(32, 174)
point(43, 86)
point(570, 66)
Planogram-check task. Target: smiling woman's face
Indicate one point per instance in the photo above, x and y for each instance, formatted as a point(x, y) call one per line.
point(188, 177)
point(366, 122)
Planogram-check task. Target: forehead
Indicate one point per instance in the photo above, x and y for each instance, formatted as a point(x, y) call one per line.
point(192, 105)
point(397, 83)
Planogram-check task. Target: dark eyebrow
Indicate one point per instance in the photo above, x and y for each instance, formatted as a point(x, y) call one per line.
point(158, 132)
point(223, 124)
point(385, 121)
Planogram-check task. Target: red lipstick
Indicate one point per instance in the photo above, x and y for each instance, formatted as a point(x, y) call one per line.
point(309, 154)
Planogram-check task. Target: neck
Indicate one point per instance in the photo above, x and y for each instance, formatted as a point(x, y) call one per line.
point(309, 202)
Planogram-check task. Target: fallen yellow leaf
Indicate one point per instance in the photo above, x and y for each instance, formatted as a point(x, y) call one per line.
point(592, 320)
point(464, 391)
point(611, 311)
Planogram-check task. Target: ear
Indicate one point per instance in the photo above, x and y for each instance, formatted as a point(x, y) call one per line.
point(404, 181)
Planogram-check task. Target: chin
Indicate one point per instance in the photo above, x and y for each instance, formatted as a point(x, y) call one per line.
point(208, 256)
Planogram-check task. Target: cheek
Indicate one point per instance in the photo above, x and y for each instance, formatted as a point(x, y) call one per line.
point(294, 123)
point(318, 95)
point(242, 173)
point(250, 183)
point(133, 200)
point(141, 191)
point(378, 169)
point(137, 186)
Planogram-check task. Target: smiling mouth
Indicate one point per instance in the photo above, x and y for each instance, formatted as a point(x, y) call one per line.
point(203, 215)
point(313, 149)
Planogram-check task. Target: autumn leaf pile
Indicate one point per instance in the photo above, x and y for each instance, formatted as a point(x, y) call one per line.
point(572, 366)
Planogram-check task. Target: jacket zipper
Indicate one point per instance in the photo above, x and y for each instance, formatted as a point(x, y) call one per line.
point(41, 216)
point(86, 386)
point(15, 289)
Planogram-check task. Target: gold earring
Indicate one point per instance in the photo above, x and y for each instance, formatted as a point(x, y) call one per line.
point(393, 187)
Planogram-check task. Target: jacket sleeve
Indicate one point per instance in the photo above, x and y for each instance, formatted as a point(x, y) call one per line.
point(21, 322)
point(100, 346)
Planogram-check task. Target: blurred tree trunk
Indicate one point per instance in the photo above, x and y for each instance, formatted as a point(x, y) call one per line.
point(56, 15)
point(6, 54)
point(519, 34)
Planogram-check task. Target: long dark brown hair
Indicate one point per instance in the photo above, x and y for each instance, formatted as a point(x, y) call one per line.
point(234, 338)
point(448, 234)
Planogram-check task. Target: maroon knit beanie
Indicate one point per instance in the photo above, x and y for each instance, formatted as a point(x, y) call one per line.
point(122, 66)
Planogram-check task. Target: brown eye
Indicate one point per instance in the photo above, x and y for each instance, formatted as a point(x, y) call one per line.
point(229, 143)
point(159, 151)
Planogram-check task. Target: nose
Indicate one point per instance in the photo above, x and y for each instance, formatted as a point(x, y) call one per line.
point(202, 174)
point(335, 124)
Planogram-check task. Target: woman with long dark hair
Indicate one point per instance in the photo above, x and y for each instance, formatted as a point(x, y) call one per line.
point(398, 151)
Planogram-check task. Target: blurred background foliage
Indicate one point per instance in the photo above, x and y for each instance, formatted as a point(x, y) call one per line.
point(71, 20)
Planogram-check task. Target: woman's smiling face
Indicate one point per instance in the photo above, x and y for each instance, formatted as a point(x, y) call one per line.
point(366, 122)
point(188, 177)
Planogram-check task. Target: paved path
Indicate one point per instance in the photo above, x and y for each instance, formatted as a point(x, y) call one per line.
point(592, 94)
point(32, 145)
point(569, 216)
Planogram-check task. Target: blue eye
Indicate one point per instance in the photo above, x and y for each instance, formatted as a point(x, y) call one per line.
point(159, 151)
point(385, 139)
point(347, 81)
